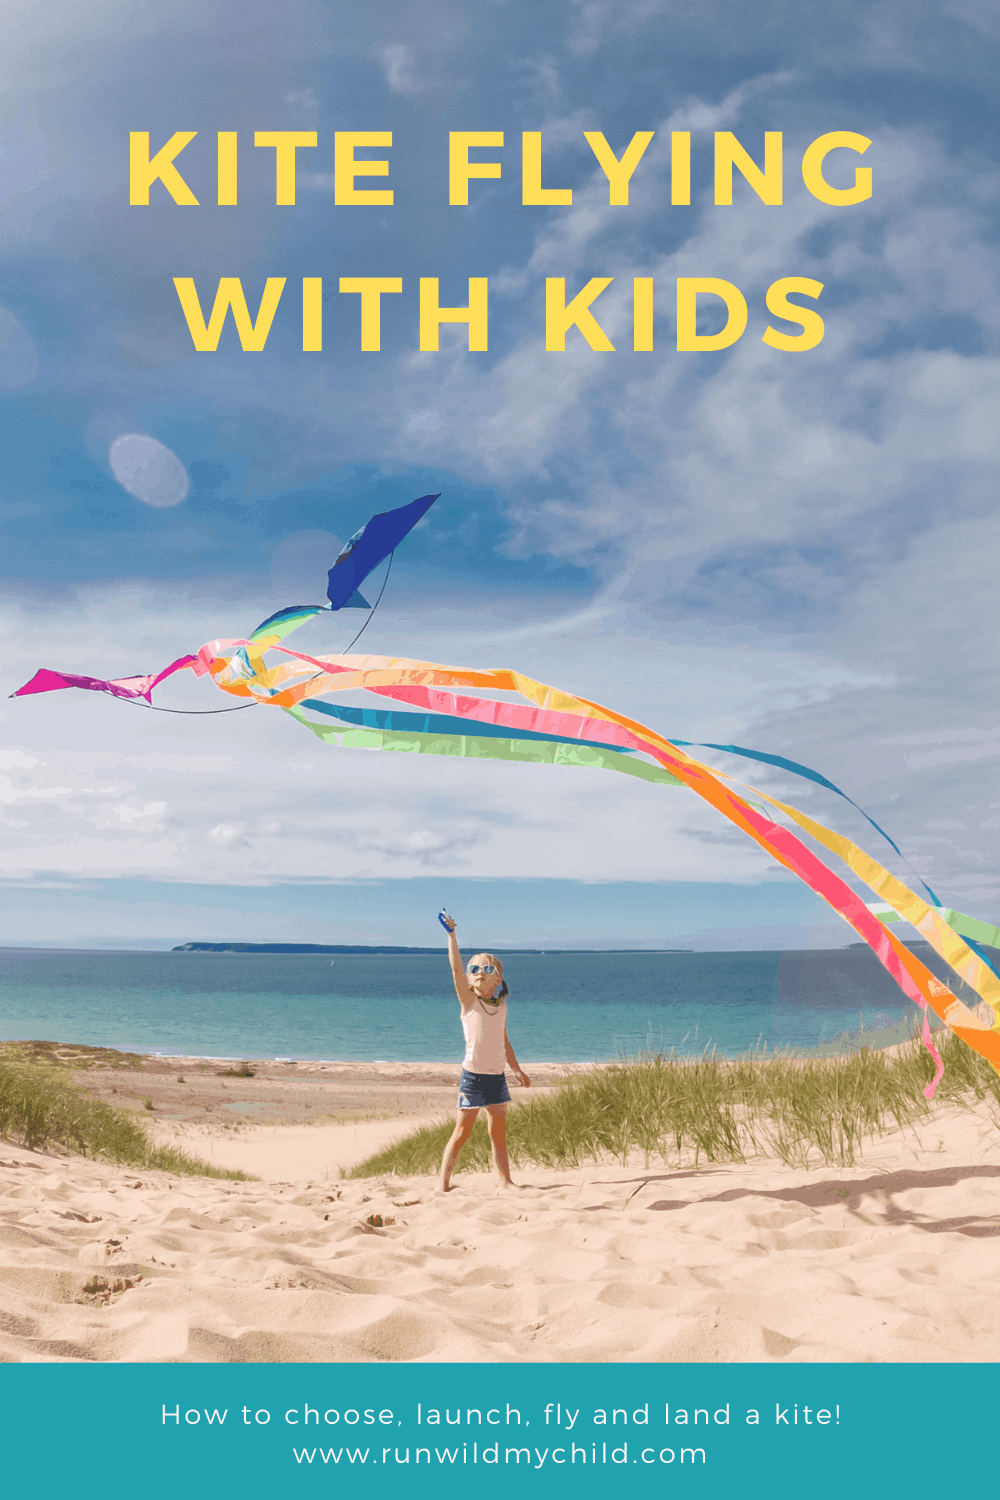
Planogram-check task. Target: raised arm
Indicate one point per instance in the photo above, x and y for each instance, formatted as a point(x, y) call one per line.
point(466, 996)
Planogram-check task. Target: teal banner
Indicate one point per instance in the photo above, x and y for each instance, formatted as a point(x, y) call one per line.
point(845, 1431)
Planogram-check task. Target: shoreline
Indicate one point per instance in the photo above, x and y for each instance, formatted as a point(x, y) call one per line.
point(881, 1039)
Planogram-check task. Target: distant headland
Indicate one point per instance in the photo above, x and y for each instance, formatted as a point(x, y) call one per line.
point(293, 948)
point(359, 948)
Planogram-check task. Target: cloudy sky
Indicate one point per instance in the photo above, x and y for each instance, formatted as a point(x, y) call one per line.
point(793, 551)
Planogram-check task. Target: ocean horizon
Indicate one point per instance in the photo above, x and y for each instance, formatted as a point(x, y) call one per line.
point(563, 1007)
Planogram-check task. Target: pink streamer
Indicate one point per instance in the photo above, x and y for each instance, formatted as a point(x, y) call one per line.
point(925, 1037)
point(46, 681)
point(516, 716)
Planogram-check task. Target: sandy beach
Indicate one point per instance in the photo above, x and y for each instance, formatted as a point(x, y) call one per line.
point(890, 1260)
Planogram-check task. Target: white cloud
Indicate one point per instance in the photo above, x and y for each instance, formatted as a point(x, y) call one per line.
point(130, 813)
point(304, 105)
point(401, 68)
point(12, 759)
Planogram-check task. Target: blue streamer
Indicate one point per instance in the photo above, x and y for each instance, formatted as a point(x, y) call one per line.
point(402, 721)
point(810, 775)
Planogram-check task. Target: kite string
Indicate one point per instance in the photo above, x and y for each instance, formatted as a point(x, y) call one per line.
point(136, 703)
point(306, 681)
point(375, 606)
point(239, 709)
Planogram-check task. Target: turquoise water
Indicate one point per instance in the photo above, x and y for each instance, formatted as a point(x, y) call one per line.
point(562, 1007)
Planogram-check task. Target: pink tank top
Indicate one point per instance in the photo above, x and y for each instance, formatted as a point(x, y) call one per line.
point(485, 1028)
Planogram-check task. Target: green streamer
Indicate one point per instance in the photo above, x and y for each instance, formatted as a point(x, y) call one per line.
point(540, 752)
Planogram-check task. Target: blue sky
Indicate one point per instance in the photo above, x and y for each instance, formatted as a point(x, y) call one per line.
point(793, 551)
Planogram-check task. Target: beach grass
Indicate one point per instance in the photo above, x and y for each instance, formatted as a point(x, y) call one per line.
point(673, 1108)
point(73, 1056)
point(41, 1108)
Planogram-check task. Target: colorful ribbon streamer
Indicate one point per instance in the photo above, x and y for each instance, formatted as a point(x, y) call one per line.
point(378, 673)
point(45, 681)
point(431, 724)
point(539, 751)
point(558, 728)
point(810, 775)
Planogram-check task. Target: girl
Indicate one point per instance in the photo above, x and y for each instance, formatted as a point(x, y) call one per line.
point(481, 993)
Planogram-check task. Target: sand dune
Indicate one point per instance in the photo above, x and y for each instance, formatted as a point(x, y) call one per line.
point(894, 1259)
point(280, 1152)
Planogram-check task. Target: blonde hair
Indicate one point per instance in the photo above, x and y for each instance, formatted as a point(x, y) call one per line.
point(492, 958)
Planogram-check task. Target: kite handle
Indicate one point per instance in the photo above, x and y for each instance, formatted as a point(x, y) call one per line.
point(445, 920)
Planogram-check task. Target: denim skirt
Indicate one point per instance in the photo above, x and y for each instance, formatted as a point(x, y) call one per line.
point(478, 1090)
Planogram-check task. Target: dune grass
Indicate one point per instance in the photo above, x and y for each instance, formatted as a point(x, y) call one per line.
point(714, 1110)
point(41, 1108)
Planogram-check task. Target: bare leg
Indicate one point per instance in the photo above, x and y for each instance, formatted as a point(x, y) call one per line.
point(496, 1123)
point(464, 1121)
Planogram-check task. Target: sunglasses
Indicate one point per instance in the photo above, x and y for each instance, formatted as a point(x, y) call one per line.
point(482, 969)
